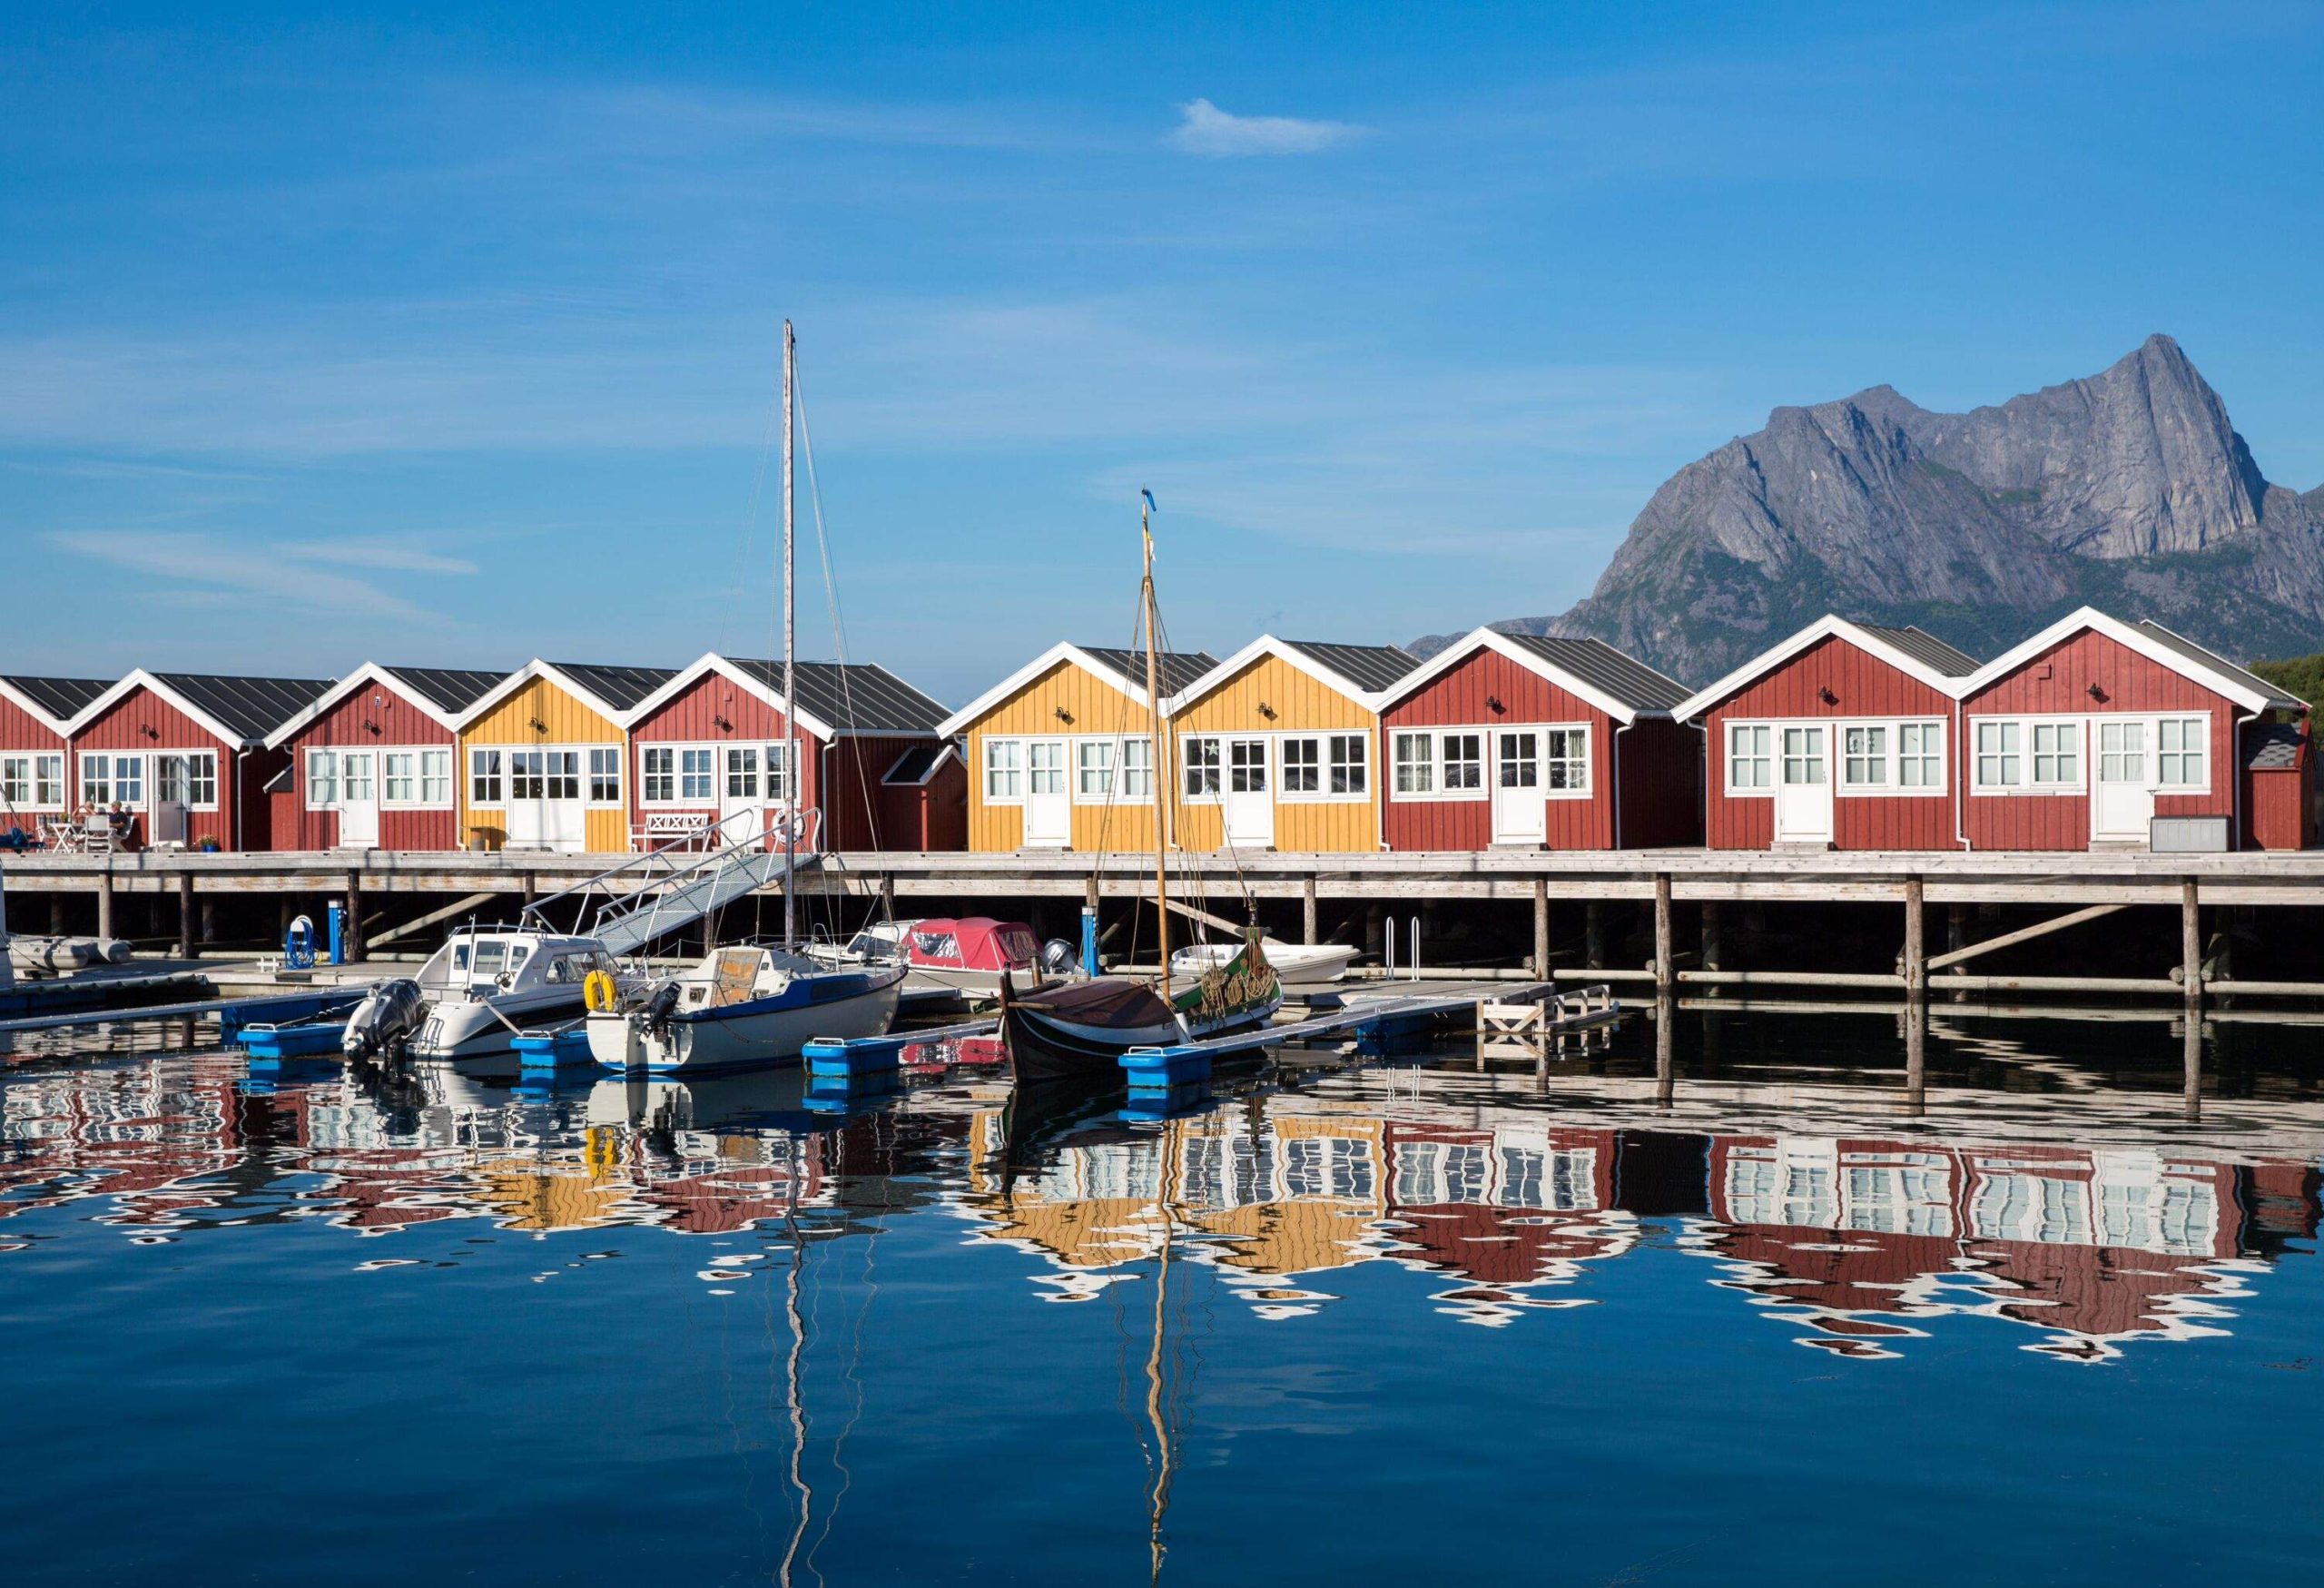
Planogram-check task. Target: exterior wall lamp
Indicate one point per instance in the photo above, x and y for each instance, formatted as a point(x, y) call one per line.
point(1824, 692)
point(1064, 716)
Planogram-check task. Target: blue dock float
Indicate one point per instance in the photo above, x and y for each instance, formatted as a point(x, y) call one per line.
point(285, 1012)
point(838, 1058)
point(1166, 1069)
point(830, 1092)
point(1152, 1106)
point(553, 1048)
point(270, 1044)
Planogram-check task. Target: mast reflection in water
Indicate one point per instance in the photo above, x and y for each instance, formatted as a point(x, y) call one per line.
point(1393, 1298)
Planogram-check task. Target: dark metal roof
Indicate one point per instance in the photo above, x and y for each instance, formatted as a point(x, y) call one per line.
point(60, 698)
point(452, 689)
point(251, 707)
point(912, 767)
point(861, 697)
point(2270, 746)
point(2217, 663)
point(1178, 669)
point(1926, 649)
point(619, 687)
point(1602, 667)
point(1370, 668)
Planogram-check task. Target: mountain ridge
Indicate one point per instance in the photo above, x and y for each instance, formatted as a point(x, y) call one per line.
point(2129, 491)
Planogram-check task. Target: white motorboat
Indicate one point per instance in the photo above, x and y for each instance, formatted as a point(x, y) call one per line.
point(488, 983)
point(742, 1006)
point(1307, 964)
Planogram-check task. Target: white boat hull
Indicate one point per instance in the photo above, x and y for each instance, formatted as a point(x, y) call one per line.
point(1296, 964)
point(730, 1038)
point(480, 1027)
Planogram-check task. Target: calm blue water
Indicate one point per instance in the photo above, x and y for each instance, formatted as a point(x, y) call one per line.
point(1410, 1323)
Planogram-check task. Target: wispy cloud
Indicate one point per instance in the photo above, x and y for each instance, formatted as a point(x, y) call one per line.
point(199, 569)
point(1204, 129)
point(386, 555)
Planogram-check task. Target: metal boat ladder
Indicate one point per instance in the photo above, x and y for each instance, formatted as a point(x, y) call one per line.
point(671, 887)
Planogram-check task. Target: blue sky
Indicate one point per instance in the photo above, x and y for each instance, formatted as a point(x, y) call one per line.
point(419, 336)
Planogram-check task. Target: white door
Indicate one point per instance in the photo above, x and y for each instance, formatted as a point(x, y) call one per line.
point(1519, 815)
point(1248, 800)
point(358, 800)
point(738, 791)
point(1804, 785)
point(1048, 807)
point(2123, 808)
point(545, 807)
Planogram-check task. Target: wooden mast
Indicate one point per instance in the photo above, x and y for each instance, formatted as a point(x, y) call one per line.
point(1153, 712)
point(790, 813)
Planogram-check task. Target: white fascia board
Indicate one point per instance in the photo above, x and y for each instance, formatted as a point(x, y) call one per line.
point(1492, 639)
point(370, 673)
point(1063, 651)
point(1828, 627)
point(139, 678)
point(2123, 633)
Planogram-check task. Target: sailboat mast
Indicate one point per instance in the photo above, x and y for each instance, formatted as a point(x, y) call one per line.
point(790, 813)
point(1154, 711)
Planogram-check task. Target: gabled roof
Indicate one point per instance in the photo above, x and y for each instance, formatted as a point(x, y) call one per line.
point(1913, 652)
point(1358, 672)
point(1615, 682)
point(612, 692)
point(55, 701)
point(445, 694)
point(2272, 746)
point(235, 709)
point(2157, 644)
point(1124, 669)
point(835, 698)
point(915, 766)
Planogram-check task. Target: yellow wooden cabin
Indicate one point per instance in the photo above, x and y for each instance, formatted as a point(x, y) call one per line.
point(544, 758)
point(1061, 751)
point(1277, 748)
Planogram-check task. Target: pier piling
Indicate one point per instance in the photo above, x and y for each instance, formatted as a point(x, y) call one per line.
point(2191, 950)
point(1307, 921)
point(1665, 969)
point(1915, 944)
point(185, 915)
point(354, 917)
point(1593, 936)
point(1541, 926)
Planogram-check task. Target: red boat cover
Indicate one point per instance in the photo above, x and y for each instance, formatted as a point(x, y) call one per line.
point(974, 942)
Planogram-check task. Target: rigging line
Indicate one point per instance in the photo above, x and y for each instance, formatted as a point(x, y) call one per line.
point(792, 1365)
point(831, 599)
point(751, 519)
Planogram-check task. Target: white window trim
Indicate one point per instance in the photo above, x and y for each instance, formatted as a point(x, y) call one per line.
point(1439, 793)
point(1774, 756)
point(65, 766)
point(581, 772)
point(1589, 789)
point(1894, 789)
point(1073, 769)
point(147, 781)
point(2087, 786)
point(1323, 736)
point(1186, 764)
point(379, 753)
point(1023, 769)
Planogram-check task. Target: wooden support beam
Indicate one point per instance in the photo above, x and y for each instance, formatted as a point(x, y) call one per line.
point(2024, 934)
point(1541, 926)
point(104, 902)
point(352, 932)
point(2191, 953)
point(427, 920)
point(1665, 962)
point(185, 915)
point(1593, 936)
point(1307, 921)
point(1916, 1056)
point(1666, 1047)
point(1915, 945)
point(1206, 917)
point(2190, 1101)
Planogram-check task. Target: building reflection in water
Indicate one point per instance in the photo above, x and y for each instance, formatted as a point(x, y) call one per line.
point(1858, 1242)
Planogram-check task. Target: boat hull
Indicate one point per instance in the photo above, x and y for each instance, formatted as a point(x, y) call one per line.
point(1294, 964)
point(470, 1029)
point(1046, 1046)
point(757, 1031)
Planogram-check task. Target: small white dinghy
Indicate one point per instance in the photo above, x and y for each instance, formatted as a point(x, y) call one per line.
point(740, 1006)
point(1310, 964)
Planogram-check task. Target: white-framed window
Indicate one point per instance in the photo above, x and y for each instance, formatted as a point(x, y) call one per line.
point(488, 780)
point(1864, 755)
point(528, 775)
point(1565, 761)
point(2181, 753)
point(778, 773)
point(1004, 770)
point(1415, 763)
point(658, 775)
point(1802, 756)
point(1303, 766)
point(1750, 757)
point(2001, 754)
point(1137, 769)
point(562, 769)
point(96, 780)
point(2057, 755)
point(33, 782)
point(742, 772)
point(354, 778)
point(435, 777)
point(605, 774)
point(1920, 755)
point(1461, 762)
point(697, 774)
point(1093, 761)
point(400, 775)
point(1044, 766)
point(1246, 766)
point(1202, 756)
point(1347, 765)
point(322, 779)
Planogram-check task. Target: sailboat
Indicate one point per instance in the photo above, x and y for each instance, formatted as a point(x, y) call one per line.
point(1073, 1028)
point(751, 1003)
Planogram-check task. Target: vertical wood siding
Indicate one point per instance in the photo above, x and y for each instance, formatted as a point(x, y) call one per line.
point(689, 717)
point(2058, 682)
point(348, 725)
point(1863, 686)
point(1301, 704)
point(1458, 698)
point(22, 733)
point(2282, 806)
point(1095, 707)
point(122, 728)
point(568, 723)
point(1661, 766)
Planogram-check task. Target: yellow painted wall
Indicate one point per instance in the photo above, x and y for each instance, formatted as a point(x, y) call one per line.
point(1301, 704)
point(1095, 707)
point(564, 722)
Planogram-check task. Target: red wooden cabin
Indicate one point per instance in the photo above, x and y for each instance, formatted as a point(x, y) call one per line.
point(874, 772)
point(2097, 733)
point(36, 716)
point(373, 762)
point(1839, 738)
point(1520, 740)
point(185, 755)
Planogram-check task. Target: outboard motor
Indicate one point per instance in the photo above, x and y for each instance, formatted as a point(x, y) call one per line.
point(385, 1020)
point(1058, 957)
point(656, 1010)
